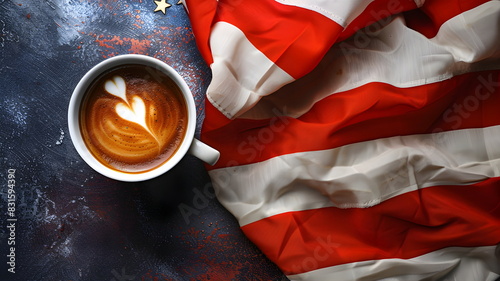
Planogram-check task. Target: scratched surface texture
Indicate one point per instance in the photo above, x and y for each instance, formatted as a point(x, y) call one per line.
point(72, 223)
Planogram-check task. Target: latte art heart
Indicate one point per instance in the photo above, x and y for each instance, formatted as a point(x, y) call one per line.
point(133, 121)
point(117, 87)
point(135, 112)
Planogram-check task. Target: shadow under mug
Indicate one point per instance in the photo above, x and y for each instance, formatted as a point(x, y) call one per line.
point(188, 145)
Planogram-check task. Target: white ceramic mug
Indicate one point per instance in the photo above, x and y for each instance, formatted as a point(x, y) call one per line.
point(188, 144)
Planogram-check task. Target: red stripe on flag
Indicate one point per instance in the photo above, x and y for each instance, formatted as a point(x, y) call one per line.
point(202, 15)
point(407, 226)
point(294, 38)
point(426, 20)
point(429, 18)
point(289, 35)
point(372, 111)
point(376, 12)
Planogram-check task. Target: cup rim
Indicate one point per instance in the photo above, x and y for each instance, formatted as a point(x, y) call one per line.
point(74, 119)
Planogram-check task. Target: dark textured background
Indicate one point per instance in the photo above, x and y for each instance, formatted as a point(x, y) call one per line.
point(72, 223)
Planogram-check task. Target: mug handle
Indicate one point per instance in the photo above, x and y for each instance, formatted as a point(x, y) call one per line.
point(204, 152)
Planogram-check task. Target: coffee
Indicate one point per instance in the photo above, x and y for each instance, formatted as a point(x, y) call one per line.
point(133, 118)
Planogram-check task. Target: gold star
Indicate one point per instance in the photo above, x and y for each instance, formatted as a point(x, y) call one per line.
point(161, 5)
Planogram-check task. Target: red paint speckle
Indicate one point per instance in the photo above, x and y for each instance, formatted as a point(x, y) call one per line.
point(110, 43)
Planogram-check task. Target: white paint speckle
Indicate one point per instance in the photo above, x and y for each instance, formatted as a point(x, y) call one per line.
point(61, 137)
point(17, 111)
point(65, 249)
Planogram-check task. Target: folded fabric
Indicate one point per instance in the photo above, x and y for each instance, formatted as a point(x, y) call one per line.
point(359, 140)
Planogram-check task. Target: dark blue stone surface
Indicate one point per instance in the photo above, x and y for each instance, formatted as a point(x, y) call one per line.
point(70, 222)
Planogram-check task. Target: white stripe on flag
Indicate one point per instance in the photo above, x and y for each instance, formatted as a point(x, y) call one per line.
point(341, 12)
point(358, 175)
point(241, 73)
point(454, 264)
point(402, 57)
point(399, 56)
point(472, 35)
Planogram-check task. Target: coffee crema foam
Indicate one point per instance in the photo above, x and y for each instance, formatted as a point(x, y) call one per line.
point(133, 118)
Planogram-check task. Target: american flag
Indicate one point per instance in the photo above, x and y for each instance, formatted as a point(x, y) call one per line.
point(359, 140)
